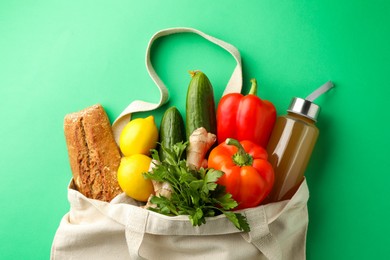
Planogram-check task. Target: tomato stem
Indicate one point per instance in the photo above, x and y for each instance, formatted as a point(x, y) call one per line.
point(253, 90)
point(241, 158)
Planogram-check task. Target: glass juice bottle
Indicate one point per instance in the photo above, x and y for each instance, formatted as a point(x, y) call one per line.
point(291, 144)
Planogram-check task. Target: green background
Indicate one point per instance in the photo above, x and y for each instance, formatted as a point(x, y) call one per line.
point(58, 57)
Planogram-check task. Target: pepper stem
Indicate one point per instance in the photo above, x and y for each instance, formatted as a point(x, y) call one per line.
point(253, 89)
point(241, 158)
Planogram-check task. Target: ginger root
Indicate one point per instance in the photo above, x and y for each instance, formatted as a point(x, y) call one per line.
point(200, 141)
point(160, 188)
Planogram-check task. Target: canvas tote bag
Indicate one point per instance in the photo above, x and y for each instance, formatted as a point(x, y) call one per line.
point(121, 229)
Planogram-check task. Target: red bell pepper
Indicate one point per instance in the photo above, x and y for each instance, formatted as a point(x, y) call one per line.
point(245, 117)
point(248, 176)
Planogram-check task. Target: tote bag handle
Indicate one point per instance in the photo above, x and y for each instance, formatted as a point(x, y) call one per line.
point(234, 84)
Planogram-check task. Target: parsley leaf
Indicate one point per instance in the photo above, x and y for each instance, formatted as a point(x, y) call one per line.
point(195, 192)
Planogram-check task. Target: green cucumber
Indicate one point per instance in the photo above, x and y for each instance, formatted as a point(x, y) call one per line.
point(200, 106)
point(171, 130)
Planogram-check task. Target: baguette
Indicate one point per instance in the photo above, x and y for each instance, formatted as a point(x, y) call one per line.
point(93, 153)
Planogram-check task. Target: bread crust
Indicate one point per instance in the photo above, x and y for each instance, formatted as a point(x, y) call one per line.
point(93, 153)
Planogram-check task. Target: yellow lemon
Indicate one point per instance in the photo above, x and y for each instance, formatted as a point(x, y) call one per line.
point(131, 179)
point(139, 136)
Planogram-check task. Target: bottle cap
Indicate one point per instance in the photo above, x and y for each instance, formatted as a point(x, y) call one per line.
point(306, 107)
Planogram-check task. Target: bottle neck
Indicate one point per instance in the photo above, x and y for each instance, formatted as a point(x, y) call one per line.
point(300, 117)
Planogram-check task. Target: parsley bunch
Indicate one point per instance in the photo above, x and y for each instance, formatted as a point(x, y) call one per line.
point(195, 192)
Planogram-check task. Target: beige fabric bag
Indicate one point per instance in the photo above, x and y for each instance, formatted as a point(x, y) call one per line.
point(122, 230)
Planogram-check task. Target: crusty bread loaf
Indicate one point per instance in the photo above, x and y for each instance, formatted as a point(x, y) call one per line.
point(93, 154)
